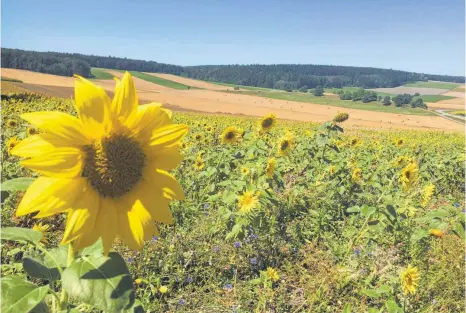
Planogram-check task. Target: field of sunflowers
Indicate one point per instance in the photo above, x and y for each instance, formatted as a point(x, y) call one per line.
point(278, 216)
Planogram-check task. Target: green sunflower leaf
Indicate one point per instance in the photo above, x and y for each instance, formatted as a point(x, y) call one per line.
point(21, 234)
point(17, 184)
point(103, 282)
point(39, 265)
point(20, 296)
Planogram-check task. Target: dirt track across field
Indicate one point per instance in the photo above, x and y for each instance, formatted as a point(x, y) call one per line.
point(211, 101)
point(192, 82)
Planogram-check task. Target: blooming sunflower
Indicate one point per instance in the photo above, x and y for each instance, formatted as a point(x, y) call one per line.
point(31, 131)
point(272, 274)
point(285, 144)
point(409, 175)
point(399, 142)
point(209, 129)
point(427, 194)
point(247, 202)
point(267, 122)
point(11, 143)
point(356, 174)
point(270, 169)
point(12, 123)
point(107, 168)
point(409, 280)
point(244, 171)
point(231, 134)
point(401, 160)
point(43, 228)
point(354, 142)
point(199, 164)
point(199, 137)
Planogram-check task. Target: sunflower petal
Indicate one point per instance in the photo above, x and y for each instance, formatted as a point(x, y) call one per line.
point(162, 180)
point(63, 125)
point(38, 145)
point(59, 163)
point(130, 230)
point(165, 158)
point(92, 104)
point(107, 219)
point(125, 101)
point(81, 220)
point(60, 196)
point(154, 203)
point(148, 118)
point(34, 193)
point(168, 135)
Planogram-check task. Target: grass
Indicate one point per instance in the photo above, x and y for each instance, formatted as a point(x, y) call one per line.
point(3, 78)
point(430, 84)
point(161, 81)
point(246, 87)
point(435, 98)
point(100, 73)
point(309, 98)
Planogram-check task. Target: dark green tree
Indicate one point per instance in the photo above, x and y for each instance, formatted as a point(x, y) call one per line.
point(318, 91)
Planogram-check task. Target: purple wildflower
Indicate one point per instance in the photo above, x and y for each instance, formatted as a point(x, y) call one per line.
point(253, 261)
point(237, 244)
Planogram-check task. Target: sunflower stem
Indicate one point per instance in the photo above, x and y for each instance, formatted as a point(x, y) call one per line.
point(64, 294)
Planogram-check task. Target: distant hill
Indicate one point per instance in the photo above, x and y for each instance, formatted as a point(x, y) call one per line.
point(278, 76)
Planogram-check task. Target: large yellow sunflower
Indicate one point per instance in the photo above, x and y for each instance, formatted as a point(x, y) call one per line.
point(270, 169)
point(231, 134)
point(409, 279)
point(247, 202)
point(107, 168)
point(285, 144)
point(267, 122)
point(409, 175)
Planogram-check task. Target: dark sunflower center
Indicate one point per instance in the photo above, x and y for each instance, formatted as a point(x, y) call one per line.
point(113, 165)
point(408, 175)
point(230, 135)
point(284, 145)
point(267, 123)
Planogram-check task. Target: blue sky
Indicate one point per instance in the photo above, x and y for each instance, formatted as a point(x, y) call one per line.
point(423, 36)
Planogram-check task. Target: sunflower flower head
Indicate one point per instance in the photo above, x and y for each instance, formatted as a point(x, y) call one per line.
point(400, 161)
point(270, 168)
point(230, 135)
point(199, 164)
point(11, 123)
point(355, 142)
point(199, 137)
point(267, 122)
point(285, 144)
point(244, 171)
point(409, 175)
point(409, 280)
point(399, 142)
point(11, 143)
point(272, 274)
point(31, 131)
point(427, 194)
point(247, 202)
point(107, 167)
point(43, 228)
point(356, 175)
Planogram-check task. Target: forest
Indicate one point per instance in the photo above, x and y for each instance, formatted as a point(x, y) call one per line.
point(277, 76)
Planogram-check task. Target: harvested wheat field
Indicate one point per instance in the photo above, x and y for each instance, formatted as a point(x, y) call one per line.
point(211, 101)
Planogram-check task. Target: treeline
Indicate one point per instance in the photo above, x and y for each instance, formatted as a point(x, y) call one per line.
point(45, 62)
point(294, 76)
point(67, 64)
point(277, 76)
